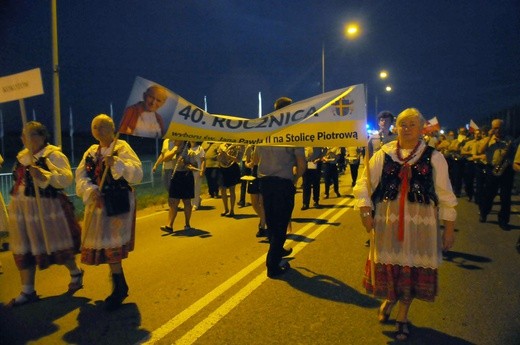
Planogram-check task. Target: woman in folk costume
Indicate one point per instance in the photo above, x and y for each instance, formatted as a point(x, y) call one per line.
point(4, 221)
point(109, 226)
point(45, 232)
point(411, 193)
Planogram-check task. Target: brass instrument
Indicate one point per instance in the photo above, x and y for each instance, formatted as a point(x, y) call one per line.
point(504, 161)
point(226, 157)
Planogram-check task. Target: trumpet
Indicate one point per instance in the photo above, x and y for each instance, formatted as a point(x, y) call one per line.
point(503, 162)
point(226, 157)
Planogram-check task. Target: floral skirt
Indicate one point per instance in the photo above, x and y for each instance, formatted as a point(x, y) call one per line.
point(395, 282)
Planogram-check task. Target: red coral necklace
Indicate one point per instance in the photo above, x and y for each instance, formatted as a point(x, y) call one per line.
point(412, 154)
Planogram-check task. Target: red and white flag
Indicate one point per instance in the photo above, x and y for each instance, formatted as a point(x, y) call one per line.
point(472, 126)
point(431, 125)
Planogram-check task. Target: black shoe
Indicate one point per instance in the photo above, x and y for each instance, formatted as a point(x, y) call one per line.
point(119, 293)
point(278, 271)
point(338, 195)
point(482, 218)
point(317, 205)
point(504, 226)
point(167, 229)
point(286, 252)
point(305, 207)
point(241, 204)
point(326, 196)
point(261, 232)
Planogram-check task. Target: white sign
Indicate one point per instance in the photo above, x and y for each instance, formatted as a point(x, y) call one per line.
point(21, 85)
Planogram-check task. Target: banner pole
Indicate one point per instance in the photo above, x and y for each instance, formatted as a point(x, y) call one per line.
point(88, 218)
point(36, 188)
point(372, 231)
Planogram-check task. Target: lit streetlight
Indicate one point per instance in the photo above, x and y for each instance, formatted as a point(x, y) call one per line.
point(388, 88)
point(351, 32)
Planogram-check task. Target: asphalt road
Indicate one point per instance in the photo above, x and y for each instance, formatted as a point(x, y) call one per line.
point(209, 286)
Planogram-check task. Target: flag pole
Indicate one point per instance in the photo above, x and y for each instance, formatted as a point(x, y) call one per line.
point(259, 104)
point(71, 134)
point(2, 130)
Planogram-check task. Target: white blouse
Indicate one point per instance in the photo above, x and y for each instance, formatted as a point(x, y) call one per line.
point(441, 180)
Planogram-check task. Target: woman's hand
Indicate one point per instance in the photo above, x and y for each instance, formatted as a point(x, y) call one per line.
point(96, 199)
point(109, 160)
point(36, 173)
point(448, 235)
point(366, 218)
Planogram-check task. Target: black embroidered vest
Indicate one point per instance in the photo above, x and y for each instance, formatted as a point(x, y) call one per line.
point(421, 187)
point(94, 168)
point(21, 174)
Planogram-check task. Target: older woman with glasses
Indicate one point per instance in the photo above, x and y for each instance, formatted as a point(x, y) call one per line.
point(401, 197)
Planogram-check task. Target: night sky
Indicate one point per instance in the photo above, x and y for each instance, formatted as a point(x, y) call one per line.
point(452, 59)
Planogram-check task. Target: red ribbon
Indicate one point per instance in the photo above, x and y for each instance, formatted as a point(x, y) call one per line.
point(404, 174)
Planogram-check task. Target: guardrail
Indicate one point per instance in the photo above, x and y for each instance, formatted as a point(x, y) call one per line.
point(6, 181)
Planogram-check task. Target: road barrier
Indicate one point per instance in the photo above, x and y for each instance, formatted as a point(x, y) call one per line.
point(6, 181)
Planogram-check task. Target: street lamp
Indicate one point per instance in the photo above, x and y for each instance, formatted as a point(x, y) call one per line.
point(388, 88)
point(351, 32)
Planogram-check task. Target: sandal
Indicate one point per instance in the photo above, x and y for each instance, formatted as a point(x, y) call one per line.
point(402, 331)
point(384, 311)
point(167, 228)
point(77, 283)
point(24, 299)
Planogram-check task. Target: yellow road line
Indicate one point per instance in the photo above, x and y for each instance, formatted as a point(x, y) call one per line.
point(206, 324)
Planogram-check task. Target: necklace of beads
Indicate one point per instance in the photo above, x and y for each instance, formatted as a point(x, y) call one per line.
point(412, 154)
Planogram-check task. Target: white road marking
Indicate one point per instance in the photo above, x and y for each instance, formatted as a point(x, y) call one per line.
point(196, 332)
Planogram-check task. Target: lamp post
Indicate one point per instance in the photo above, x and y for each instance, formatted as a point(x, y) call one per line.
point(351, 31)
point(388, 88)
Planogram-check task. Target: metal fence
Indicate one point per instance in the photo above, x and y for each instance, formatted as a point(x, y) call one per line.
point(6, 181)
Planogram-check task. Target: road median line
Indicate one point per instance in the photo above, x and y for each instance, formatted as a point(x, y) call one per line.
point(227, 306)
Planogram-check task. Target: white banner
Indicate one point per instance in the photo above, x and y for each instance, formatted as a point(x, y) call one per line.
point(335, 118)
point(21, 85)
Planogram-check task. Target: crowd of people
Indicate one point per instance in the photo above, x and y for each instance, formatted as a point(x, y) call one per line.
point(409, 187)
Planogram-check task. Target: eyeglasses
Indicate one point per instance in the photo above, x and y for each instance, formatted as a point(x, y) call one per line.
point(411, 125)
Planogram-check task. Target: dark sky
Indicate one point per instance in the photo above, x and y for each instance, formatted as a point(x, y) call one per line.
point(452, 59)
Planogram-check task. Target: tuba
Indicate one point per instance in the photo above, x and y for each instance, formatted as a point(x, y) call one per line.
point(226, 157)
point(504, 161)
